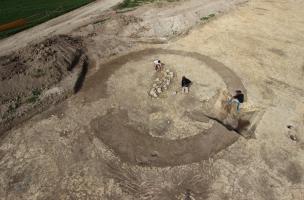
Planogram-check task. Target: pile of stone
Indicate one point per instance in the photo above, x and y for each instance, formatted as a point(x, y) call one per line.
point(161, 83)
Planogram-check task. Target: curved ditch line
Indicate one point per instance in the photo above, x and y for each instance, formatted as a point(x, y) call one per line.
point(231, 80)
point(137, 146)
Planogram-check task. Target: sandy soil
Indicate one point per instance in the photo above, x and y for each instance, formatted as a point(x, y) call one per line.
point(113, 141)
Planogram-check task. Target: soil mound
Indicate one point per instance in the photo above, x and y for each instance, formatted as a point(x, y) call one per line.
point(28, 75)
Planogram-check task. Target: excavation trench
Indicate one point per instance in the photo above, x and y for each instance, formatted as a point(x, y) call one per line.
point(139, 147)
point(131, 139)
point(231, 80)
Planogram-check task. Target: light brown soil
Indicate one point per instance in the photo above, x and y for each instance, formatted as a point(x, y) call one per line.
point(136, 146)
point(130, 137)
point(113, 141)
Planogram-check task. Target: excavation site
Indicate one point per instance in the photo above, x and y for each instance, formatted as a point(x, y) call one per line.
point(153, 100)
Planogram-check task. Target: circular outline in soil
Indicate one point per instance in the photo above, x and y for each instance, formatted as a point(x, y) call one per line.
point(137, 146)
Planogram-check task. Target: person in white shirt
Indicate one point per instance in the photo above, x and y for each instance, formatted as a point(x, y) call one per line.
point(158, 65)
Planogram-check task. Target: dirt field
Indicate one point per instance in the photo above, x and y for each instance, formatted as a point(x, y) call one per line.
point(112, 140)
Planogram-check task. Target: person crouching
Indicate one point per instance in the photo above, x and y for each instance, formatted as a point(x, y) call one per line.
point(158, 65)
point(238, 98)
point(185, 84)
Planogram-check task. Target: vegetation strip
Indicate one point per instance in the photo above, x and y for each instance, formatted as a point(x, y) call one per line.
point(34, 12)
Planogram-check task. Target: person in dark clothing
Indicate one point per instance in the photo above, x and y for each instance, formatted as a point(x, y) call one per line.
point(185, 84)
point(238, 98)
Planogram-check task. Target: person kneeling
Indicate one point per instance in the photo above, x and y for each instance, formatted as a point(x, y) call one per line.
point(238, 98)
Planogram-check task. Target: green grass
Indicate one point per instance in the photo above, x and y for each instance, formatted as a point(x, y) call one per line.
point(35, 96)
point(35, 11)
point(208, 17)
point(133, 3)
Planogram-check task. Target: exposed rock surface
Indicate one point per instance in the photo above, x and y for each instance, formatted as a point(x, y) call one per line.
point(161, 83)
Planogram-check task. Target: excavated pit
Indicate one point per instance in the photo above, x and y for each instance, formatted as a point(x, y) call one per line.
point(38, 76)
point(173, 129)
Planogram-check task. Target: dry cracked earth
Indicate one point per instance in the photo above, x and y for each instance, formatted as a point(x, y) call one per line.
point(84, 126)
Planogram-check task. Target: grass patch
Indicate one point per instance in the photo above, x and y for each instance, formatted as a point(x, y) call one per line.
point(35, 96)
point(207, 17)
point(34, 11)
point(133, 3)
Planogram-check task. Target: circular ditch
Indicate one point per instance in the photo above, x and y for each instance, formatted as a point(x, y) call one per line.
point(171, 130)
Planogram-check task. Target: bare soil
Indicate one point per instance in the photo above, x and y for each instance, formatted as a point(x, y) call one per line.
point(136, 146)
point(111, 140)
point(31, 77)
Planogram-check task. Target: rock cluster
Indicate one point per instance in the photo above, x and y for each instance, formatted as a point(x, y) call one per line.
point(161, 83)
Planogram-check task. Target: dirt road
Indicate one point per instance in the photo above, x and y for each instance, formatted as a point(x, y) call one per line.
point(74, 150)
